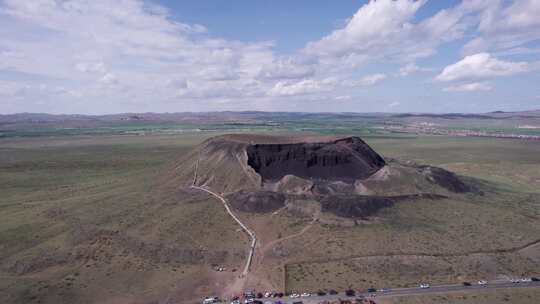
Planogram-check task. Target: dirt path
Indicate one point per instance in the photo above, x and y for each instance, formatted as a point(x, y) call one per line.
point(269, 245)
point(236, 286)
point(244, 227)
point(263, 251)
point(422, 254)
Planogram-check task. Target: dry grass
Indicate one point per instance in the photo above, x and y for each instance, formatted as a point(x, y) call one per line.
point(500, 296)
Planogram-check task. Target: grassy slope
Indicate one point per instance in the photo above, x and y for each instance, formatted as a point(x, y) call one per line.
point(75, 211)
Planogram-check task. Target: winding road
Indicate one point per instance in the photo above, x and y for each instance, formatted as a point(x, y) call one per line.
point(244, 227)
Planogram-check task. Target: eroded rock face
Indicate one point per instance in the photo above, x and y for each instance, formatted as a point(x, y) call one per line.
point(345, 159)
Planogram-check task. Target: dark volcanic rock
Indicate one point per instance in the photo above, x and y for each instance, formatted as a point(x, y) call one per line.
point(446, 179)
point(361, 206)
point(257, 201)
point(354, 206)
point(344, 159)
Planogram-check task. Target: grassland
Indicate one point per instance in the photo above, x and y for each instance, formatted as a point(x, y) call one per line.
point(487, 297)
point(82, 221)
point(90, 219)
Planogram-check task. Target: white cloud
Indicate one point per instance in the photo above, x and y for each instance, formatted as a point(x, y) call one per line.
point(343, 98)
point(8, 88)
point(373, 79)
point(375, 26)
point(111, 53)
point(469, 87)
point(91, 67)
point(412, 68)
point(306, 86)
point(481, 66)
point(109, 79)
point(132, 47)
point(287, 68)
point(505, 26)
point(387, 30)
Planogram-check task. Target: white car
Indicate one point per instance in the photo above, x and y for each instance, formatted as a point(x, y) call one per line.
point(294, 295)
point(514, 280)
point(210, 300)
point(305, 294)
point(424, 285)
point(526, 280)
point(235, 302)
point(482, 282)
point(267, 294)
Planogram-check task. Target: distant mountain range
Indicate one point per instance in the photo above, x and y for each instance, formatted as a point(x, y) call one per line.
point(245, 116)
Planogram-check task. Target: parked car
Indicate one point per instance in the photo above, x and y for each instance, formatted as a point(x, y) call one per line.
point(514, 280)
point(332, 292)
point(210, 300)
point(294, 295)
point(305, 294)
point(235, 301)
point(321, 293)
point(350, 293)
point(535, 279)
point(383, 290)
point(424, 285)
point(370, 290)
point(526, 280)
point(467, 284)
point(482, 282)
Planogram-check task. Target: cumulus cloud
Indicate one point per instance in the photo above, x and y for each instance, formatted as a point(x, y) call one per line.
point(469, 87)
point(387, 30)
point(373, 79)
point(287, 68)
point(412, 68)
point(302, 87)
point(109, 79)
point(90, 67)
point(106, 53)
point(91, 44)
point(343, 97)
point(481, 66)
point(375, 26)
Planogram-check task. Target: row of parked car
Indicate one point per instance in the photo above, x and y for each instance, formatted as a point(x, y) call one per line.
point(524, 280)
point(251, 297)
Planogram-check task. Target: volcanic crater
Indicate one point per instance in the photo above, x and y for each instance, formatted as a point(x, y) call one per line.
point(262, 173)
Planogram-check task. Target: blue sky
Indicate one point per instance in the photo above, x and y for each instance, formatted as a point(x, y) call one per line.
point(95, 57)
